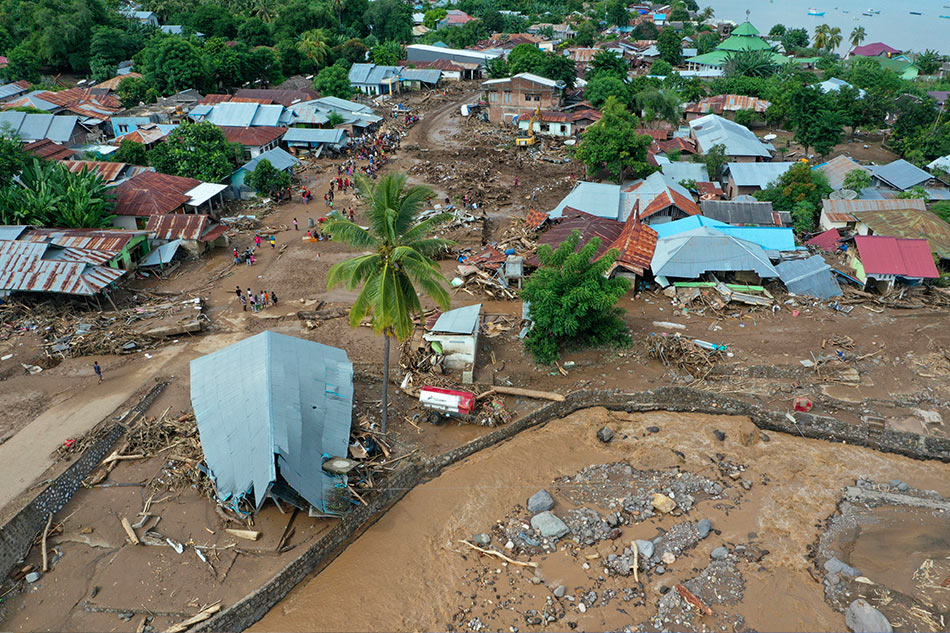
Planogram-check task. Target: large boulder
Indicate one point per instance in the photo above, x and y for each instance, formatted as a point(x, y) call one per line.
point(540, 502)
point(861, 617)
point(549, 526)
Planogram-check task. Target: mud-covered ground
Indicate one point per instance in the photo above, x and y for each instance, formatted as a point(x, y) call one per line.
point(748, 511)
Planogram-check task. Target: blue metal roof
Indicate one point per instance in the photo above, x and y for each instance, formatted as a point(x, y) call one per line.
point(713, 130)
point(273, 402)
point(459, 321)
point(669, 229)
point(11, 90)
point(900, 174)
point(771, 238)
point(34, 127)
point(241, 114)
point(164, 254)
point(371, 74)
point(425, 75)
point(335, 103)
point(314, 135)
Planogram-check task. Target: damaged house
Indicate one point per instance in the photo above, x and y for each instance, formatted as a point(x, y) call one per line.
point(271, 410)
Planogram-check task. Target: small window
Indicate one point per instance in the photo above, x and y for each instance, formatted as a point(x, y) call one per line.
point(507, 98)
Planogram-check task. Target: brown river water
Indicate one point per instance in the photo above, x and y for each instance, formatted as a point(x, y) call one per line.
point(408, 572)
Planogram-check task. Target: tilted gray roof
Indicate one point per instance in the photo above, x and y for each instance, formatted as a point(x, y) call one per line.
point(713, 130)
point(459, 321)
point(900, 174)
point(278, 158)
point(812, 277)
point(314, 135)
point(600, 199)
point(759, 175)
point(425, 75)
point(273, 402)
point(371, 74)
point(34, 127)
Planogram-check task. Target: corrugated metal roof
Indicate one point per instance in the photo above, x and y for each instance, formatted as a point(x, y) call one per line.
point(23, 269)
point(113, 83)
point(718, 104)
point(13, 89)
point(459, 321)
point(770, 238)
point(654, 194)
point(910, 223)
point(177, 226)
point(335, 103)
point(238, 114)
point(882, 255)
point(45, 148)
point(669, 229)
point(277, 157)
point(285, 98)
point(826, 241)
point(252, 136)
point(635, 245)
point(811, 277)
point(713, 130)
point(151, 193)
point(673, 173)
point(110, 241)
point(164, 254)
point(741, 212)
point(314, 135)
point(590, 226)
point(33, 127)
point(838, 168)
point(600, 199)
point(109, 172)
point(843, 210)
point(900, 174)
point(273, 402)
point(425, 75)
point(690, 254)
point(372, 74)
point(12, 231)
point(757, 174)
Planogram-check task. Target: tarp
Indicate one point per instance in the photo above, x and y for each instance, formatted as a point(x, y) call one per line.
point(273, 404)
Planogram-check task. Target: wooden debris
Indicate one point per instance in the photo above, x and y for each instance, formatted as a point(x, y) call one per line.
point(250, 535)
point(636, 561)
point(49, 521)
point(499, 555)
point(128, 530)
point(114, 457)
point(201, 616)
point(527, 393)
point(691, 598)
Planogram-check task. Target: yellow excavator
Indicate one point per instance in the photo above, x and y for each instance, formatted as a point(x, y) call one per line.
point(529, 140)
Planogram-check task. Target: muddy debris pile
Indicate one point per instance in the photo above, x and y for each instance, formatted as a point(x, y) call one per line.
point(884, 558)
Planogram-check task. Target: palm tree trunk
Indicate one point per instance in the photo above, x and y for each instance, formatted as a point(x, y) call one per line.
point(385, 380)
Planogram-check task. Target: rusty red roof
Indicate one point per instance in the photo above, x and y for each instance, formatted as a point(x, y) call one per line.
point(214, 98)
point(635, 244)
point(110, 241)
point(23, 268)
point(589, 225)
point(151, 193)
point(489, 257)
point(718, 104)
point(285, 98)
point(535, 219)
point(109, 172)
point(656, 134)
point(252, 136)
point(678, 144)
point(882, 255)
point(709, 190)
point(175, 226)
point(827, 241)
point(214, 233)
point(49, 150)
point(113, 84)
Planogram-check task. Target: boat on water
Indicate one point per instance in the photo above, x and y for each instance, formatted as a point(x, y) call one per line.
point(870, 15)
point(915, 12)
point(945, 17)
point(874, 11)
point(815, 12)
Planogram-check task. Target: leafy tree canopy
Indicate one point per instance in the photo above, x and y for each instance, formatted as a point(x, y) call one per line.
point(333, 81)
point(799, 184)
point(573, 303)
point(265, 179)
point(613, 143)
point(50, 195)
point(197, 150)
point(670, 45)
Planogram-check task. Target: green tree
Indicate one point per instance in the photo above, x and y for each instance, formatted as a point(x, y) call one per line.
point(197, 150)
point(313, 45)
point(262, 65)
point(803, 217)
point(354, 51)
point(265, 179)
point(389, 20)
point(399, 260)
point(334, 119)
point(526, 58)
point(821, 36)
point(816, 123)
point(586, 34)
point(333, 81)
point(254, 32)
point(749, 64)
point(662, 104)
point(132, 91)
point(929, 62)
point(941, 210)
point(388, 53)
point(225, 64)
point(714, 160)
point(22, 65)
point(914, 193)
point(601, 87)
point(661, 68)
point(794, 39)
point(645, 30)
point(857, 180)
point(498, 68)
point(559, 68)
point(613, 143)
point(171, 64)
point(48, 194)
point(800, 184)
point(777, 31)
point(433, 17)
point(213, 20)
point(706, 42)
point(857, 111)
point(834, 38)
point(12, 157)
point(130, 152)
point(607, 63)
point(573, 302)
point(617, 13)
point(858, 34)
point(670, 45)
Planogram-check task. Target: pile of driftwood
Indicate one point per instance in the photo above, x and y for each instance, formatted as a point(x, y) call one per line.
point(472, 280)
point(71, 332)
point(686, 355)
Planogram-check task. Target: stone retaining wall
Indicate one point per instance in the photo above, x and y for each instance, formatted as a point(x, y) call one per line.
point(678, 399)
point(18, 533)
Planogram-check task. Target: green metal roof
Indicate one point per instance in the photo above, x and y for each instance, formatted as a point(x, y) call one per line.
point(745, 28)
point(744, 43)
point(718, 58)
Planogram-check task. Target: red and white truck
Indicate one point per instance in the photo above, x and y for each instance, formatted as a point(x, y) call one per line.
point(447, 403)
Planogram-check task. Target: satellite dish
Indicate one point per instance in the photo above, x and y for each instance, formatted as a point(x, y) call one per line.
point(844, 194)
point(770, 137)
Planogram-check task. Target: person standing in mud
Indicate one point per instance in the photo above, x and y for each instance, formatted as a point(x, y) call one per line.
point(96, 368)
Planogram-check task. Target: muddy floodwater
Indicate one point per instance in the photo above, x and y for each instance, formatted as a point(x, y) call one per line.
point(767, 497)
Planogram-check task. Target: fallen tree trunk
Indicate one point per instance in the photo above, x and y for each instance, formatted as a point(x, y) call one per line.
point(527, 393)
point(316, 315)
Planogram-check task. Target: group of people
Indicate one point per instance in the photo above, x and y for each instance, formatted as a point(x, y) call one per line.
point(246, 257)
point(306, 194)
point(257, 301)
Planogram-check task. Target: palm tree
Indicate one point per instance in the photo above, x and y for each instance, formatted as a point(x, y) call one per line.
point(857, 35)
point(820, 38)
point(313, 46)
point(834, 38)
point(750, 64)
point(399, 260)
point(263, 9)
point(707, 13)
